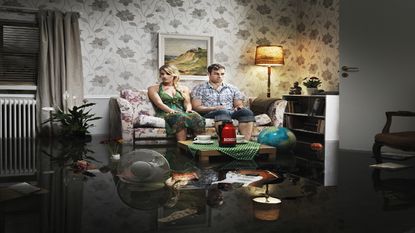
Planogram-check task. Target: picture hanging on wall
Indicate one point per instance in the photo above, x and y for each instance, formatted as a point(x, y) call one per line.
point(190, 54)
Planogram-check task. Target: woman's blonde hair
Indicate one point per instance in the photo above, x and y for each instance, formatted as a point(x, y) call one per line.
point(171, 70)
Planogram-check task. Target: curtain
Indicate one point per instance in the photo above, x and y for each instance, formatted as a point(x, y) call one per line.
point(60, 63)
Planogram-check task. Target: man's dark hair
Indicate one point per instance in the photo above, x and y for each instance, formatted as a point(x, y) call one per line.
point(215, 67)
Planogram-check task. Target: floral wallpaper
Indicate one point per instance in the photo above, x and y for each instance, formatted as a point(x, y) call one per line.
point(119, 39)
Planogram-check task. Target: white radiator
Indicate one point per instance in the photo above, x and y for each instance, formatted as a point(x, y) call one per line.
point(17, 118)
point(17, 157)
point(17, 136)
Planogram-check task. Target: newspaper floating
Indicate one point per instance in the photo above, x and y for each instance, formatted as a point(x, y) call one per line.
point(245, 180)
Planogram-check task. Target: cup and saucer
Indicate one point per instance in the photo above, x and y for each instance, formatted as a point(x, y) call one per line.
point(203, 139)
point(240, 139)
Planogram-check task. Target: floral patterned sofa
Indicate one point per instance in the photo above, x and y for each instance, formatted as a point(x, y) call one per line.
point(132, 118)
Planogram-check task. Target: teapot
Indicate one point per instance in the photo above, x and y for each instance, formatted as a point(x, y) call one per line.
point(226, 134)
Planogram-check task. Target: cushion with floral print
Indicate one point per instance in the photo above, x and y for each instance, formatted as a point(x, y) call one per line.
point(140, 101)
point(276, 112)
point(262, 119)
point(150, 121)
point(127, 113)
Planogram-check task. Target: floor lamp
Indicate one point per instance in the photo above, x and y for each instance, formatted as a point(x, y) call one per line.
point(269, 55)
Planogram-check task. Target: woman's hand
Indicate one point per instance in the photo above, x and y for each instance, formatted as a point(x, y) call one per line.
point(190, 111)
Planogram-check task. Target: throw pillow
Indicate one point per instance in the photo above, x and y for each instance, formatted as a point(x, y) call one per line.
point(262, 119)
point(149, 121)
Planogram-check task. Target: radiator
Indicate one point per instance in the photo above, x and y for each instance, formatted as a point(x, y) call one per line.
point(17, 136)
point(17, 118)
point(17, 157)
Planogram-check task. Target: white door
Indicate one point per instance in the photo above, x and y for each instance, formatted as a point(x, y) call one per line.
point(377, 37)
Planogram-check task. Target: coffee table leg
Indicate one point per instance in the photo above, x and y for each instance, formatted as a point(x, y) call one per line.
point(204, 159)
point(271, 156)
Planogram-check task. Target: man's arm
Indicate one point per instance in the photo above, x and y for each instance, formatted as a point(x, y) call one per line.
point(237, 103)
point(198, 107)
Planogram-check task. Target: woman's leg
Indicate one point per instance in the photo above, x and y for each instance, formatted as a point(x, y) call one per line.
point(181, 135)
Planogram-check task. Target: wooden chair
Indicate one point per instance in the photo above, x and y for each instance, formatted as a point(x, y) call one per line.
point(398, 140)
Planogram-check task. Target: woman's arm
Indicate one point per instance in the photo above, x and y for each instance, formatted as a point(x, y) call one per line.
point(186, 95)
point(155, 98)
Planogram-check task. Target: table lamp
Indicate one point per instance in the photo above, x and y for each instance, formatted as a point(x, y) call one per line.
point(269, 55)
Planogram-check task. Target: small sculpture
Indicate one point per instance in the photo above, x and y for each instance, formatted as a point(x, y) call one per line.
point(295, 90)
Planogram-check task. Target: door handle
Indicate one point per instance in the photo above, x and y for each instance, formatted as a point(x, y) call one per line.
point(347, 69)
point(350, 69)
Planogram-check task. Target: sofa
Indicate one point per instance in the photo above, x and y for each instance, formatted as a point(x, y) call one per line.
point(132, 118)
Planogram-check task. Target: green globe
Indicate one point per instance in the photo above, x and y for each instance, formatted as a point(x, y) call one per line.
point(281, 138)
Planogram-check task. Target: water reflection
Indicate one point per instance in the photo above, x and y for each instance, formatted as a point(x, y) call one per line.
point(397, 192)
point(105, 203)
point(137, 198)
point(18, 157)
point(331, 162)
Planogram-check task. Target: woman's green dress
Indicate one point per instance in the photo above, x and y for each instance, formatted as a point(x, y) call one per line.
point(181, 119)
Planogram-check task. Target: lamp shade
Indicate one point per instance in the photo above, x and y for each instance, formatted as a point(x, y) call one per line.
point(269, 55)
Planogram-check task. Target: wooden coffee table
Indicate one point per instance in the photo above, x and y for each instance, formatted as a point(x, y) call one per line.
point(206, 154)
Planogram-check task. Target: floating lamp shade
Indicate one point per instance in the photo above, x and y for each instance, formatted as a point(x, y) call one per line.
point(267, 208)
point(269, 55)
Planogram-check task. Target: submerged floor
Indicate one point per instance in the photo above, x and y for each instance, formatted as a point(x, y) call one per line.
point(358, 198)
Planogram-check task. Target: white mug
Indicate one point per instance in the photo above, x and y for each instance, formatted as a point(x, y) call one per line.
point(202, 138)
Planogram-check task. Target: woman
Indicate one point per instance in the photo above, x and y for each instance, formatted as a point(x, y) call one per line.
point(172, 102)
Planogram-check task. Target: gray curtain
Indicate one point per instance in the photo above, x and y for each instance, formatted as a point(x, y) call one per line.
point(60, 63)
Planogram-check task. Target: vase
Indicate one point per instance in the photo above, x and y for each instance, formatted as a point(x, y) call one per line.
point(312, 90)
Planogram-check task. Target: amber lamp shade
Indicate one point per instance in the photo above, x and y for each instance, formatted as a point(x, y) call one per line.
point(269, 55)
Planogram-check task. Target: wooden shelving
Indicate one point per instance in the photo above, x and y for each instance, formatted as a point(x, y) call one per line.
point(313, 119)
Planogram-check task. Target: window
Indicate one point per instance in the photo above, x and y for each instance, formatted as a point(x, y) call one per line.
point(19, 49)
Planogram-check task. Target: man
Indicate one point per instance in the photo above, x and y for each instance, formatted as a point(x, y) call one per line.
point(215, 99)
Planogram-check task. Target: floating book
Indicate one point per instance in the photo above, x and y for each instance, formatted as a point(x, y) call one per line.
point(17, 190)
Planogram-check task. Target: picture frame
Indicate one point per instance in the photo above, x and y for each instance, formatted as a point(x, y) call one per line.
point(173, 48)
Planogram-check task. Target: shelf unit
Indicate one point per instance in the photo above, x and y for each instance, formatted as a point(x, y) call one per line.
point(313, 119)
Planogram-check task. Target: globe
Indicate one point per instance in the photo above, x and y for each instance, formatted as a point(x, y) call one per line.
point(281, 138)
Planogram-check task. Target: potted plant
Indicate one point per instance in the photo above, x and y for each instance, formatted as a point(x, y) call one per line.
point(312, 84)
point(75, 121)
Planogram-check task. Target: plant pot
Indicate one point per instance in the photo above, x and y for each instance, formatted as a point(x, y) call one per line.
point(312, 90)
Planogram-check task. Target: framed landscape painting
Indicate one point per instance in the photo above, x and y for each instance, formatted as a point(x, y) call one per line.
point(190, 54)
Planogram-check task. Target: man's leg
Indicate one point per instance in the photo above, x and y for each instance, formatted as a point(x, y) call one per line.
point(246, 121)
point(246, 129)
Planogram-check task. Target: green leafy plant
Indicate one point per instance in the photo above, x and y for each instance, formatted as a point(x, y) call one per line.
point(311, 82)
point(74, 122)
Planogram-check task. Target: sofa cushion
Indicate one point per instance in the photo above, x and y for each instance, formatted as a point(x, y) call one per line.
point(140, 102)
point(157, 122)
point(150, 121)
point(262, 119)
point(128, 116)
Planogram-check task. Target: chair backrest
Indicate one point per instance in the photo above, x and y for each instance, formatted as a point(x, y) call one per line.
point(139, 100)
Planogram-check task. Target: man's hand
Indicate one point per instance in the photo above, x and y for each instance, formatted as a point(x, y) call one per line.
point(219, 107)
